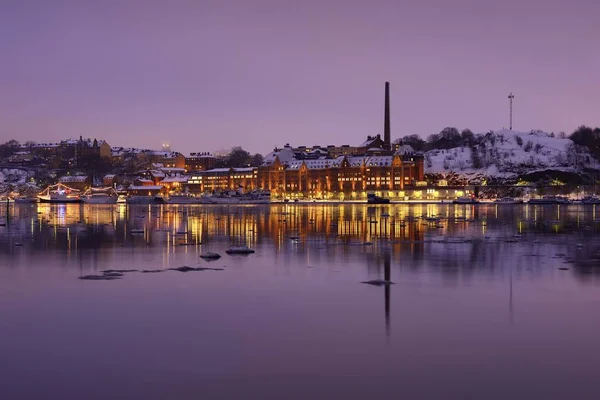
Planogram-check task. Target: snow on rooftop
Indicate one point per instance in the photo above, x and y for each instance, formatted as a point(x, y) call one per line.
point(285, 156)
point(369, 141)
point(405, 149)
point(173, 179)
point(378, 161)
point(216, 170)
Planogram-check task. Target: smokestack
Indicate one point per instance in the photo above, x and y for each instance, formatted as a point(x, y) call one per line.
point(386, 123)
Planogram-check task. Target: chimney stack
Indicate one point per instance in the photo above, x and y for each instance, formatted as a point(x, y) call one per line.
point(386, 123)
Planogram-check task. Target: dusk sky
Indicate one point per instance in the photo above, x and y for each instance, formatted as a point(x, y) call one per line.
point(208, 75)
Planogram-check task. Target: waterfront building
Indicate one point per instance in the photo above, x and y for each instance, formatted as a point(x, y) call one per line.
point(222, 179)
point(326, 178)
point(173, 179)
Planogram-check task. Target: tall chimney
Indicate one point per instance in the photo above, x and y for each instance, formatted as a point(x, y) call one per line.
point(386, 122)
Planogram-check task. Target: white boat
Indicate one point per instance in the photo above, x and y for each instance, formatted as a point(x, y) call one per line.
point(465, 200)
point(59, 193)
point(239, 250)
point(508, 200)
point(233, 197)
point(105, 195)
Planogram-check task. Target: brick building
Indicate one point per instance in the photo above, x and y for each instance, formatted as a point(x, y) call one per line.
point(200, 162)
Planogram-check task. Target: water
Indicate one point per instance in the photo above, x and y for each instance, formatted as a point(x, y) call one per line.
point(489, 302)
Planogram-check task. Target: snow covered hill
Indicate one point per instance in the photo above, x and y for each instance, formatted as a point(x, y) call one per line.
point(508, 154)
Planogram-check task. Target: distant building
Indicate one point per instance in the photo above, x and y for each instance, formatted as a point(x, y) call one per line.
point(109, 180)
point(77, 148)
point(79, 182)
point(174, 179)
point(169, 159)
point(200, 162)
point(144, 190)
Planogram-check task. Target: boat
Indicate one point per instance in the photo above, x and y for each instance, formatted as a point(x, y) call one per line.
point(374, 199)
point(235, 197)
point(508, 200)
point(182, 199)
point(137, 231)
point(239, 250)
point(590, 200)
point(101, 195)
point(465, 200)
point(59, 193)
point(549, 200)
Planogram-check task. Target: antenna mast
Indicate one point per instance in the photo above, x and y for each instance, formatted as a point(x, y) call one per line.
point(510, 99)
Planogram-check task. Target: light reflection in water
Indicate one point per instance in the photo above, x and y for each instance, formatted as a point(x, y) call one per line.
point(302, 287)
point(387, 226)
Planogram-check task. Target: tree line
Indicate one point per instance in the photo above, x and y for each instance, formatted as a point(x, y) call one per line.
point(451, 137)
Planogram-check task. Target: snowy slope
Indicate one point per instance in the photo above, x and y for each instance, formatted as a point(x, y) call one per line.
point(508, 154)
point(15, 180)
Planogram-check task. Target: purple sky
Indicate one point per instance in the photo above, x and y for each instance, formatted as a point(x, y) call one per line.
point(207, 75)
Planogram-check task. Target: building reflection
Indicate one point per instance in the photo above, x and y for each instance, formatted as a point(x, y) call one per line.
point(401, 230)
point(387, 276)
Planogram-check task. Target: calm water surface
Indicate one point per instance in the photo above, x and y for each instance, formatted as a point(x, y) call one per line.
point(489, 302)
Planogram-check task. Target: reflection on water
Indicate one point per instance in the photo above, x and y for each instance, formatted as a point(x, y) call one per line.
point(494, 291)
point(457, 237)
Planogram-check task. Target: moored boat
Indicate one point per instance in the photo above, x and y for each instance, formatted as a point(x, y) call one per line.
point(549, 200)
point(59, 193)
point(182, 199)
point(465, 200)
point(234, 197)
point(508, 200)
point(374, 199)
point(104, 195)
